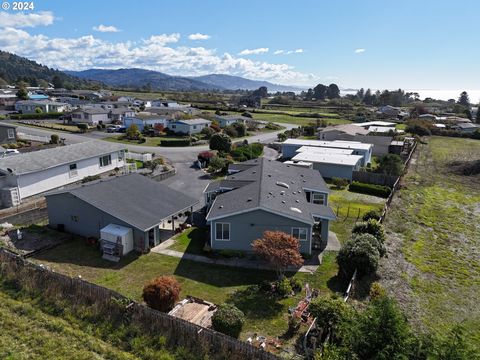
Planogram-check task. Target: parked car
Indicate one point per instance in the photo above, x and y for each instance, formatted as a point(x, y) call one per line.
point(9, 152)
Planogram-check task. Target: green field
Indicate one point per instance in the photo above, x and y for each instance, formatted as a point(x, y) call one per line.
point(435, 225)
point(29, 331)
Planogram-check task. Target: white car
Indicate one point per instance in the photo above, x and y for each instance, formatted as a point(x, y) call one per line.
point(9, 152)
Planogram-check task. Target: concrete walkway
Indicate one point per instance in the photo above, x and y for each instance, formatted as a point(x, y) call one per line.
point(310, 266)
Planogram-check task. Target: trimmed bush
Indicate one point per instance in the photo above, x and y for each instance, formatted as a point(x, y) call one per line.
point(175, 142)
point(339, 183)
point(296, 285)
point(382, 251)
point(358, 254)
point(54, 138)
point(36, 116)
point(372, 227)
point(220, 142)
point(228, 319)
point(370, 189)
point(330, 311)
point(372, 214)
point(162, 293)
point(284, 289)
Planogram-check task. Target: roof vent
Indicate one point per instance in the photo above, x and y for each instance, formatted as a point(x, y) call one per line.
point(282, 192)
point(249, 199)
point(297, 201)
point(254, 172)
point(297, 210)
point(282, 184)
point(220, 207)
point(283, 201)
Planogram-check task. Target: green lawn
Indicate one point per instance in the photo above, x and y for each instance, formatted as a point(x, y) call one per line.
point(341, 200)
point(52, 126)
point(30, 332)
point(214, 283)
point(149, 141)
point(191, 241)
point(435, 221)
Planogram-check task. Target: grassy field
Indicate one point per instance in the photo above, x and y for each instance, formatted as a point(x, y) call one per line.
point(52, 126)
point(30, 332)
point(433, 239)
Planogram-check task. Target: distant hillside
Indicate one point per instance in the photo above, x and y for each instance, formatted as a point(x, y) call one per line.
point(230, 82)
point(13, 67)
point(138, 78)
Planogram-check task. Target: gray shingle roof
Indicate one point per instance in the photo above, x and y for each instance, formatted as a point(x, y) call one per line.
point(265, 188)
point(193, 121)
point(135, 199)
point(92, 110)
point(49, 158)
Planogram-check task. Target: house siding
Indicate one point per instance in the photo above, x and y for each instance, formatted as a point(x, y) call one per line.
point(247, 227)
point(48, 179)
point(332, 170)
point(4, 139)
point(62, 208)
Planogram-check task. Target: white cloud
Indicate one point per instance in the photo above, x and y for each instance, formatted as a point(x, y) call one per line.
point(105, 28)
point(158, 53)
point(198, 36)
point(359, 51)
point(253, 51)
point(23, 20)
point(288, 52)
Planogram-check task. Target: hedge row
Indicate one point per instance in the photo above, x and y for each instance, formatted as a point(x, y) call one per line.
point(370, 189)
point(177, 142)
point(40, 116)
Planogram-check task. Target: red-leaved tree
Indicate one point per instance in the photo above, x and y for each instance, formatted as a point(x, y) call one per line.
point(279, 249)
point(162, 293)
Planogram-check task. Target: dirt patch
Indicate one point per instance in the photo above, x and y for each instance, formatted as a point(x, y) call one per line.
point(466, 168)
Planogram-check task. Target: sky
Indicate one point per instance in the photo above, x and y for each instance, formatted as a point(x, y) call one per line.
point(386, 44)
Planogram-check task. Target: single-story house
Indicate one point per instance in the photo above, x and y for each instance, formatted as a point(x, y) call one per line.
point(290, 147)
point(377, 133)
point(191, 126)
point(133, 201)
point(140, 121)
point(91, 116)
point(331, 165)
point(8, 134)
point(35, 172)
point(392, 111)
point(262, 195)
point(465, 127)
point(118, 114)
point(46, 106)
point(7, 98)
point(175, 112)
point(227, 120)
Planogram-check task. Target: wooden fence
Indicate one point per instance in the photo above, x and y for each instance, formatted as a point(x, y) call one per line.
point(28, 206)
point(178, 331)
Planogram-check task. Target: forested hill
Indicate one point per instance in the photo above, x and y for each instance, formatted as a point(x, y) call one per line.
point(14, 68)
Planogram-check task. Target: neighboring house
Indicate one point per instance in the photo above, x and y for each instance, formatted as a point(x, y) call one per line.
point(133, 201)
point(227, 120)
point(30, 106)
point(175, 112)
point(191, 126)
point(268, 195)
point(144, 103)
point(465, 127)
point(341, 132)
point(389, 110)
point(141, 121)
point(290, 147)
point(8, 134)
point(330, 164)
point(367, 124)
point(429, 117)
point(7, 98)
point(119, 114)
point(35, 172)
point(91, 116)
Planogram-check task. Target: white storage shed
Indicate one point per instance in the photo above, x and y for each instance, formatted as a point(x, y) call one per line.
point(116, 240)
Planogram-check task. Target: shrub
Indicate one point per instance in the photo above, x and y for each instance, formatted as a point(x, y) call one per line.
point(35, 116)
point(377, 290)
point(220, 142)
point(358, 254)
point(228, 319)
point(247, 114)
point(373, 227)
point(372, 214)
point(217, 163)
point(175, 142)
point(330, 311)
point(162, 293)
point(90, 178)
point(208, 132)
point(83, 127)
point(54, 138)
point(284, 289)
point(390, 164)
point(296, 285)
point(215, 127)
point(370, 189)
point(230, 131)
point(372, 240)
point(340, 183)
point(240, 129)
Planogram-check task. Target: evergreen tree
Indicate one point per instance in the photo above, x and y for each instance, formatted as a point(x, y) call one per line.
point(464, 99)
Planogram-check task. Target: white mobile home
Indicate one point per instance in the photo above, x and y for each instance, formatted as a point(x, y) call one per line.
point(33, 173)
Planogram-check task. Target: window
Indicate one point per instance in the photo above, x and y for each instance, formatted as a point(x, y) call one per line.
point(174, 126)
point(11, 133)
point(73, 170)
point(222, 231)
point(105, 160)
point(318, 199)
point(121, 155)
point(300, 233)
point(194, 126)
point(74, 218)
